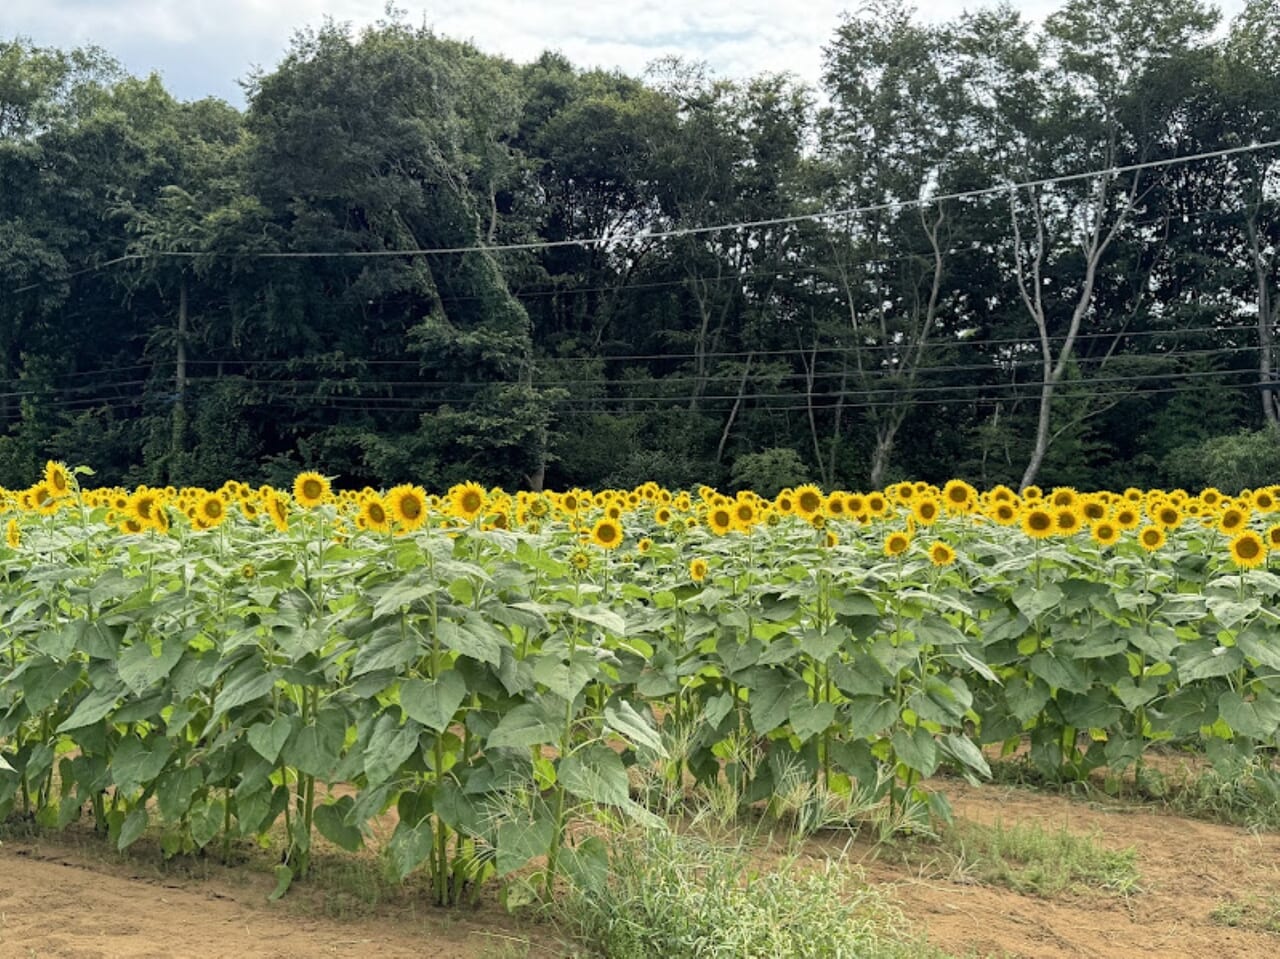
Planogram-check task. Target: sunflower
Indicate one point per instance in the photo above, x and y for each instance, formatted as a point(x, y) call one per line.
point(408, 506)
point(467, 500)
point(1210, 496)
point(1151, 538)
point(132, 525)
point(662, 515)
point(12, 535)
point(940, 554)
point(1032, 492)
point(784, 502)
point(1248, 550)
point(374, 515)
point(144, 504)
point(278, 511)
point(310, 489)
point(807, 501)
point(877, 504)
point(698, 569)
point(897, 543)
point(1264, 501)
point(1127, 517)
point(1233, 519)
point(1002, 494)
point(855, 504)
point(644, 545)
point(56, 479)
point(836, 504)
point(744, 514)
point(1167, 515)
point(959, 497)
point(210, 511)
point(1063, 496)
point(925, 509)
point(1273, 536)
point(1005, 513)
point(580, 560)
point(1038, 523)
point(719, 520)
point(607, 533)
point(1093, 509)
point(830, 540)
point(1105, 533)
point(1066, 521)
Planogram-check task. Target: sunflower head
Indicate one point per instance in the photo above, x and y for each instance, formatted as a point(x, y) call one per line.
point(925, 509)
point(310, 489)
point(1152, 538)
point(607, 533)
point(1233, 519)
point(719, 520)
point(941, 554)
point(1105, 533)
point(466, 500)
point(57, 479)
point(211, 510)
point(12, 535)
point(896, 543)
point(408, 506)
point(1037, 522)
point(580, 560)
point(374, 515)
point(1066, 521)
point(698, 569)
point(807, 500)
point(830, 540)
point(1248, 550)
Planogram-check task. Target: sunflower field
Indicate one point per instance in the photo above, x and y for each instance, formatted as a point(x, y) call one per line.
point(210, 667)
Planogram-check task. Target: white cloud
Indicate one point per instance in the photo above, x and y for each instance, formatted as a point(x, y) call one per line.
point(203, 46)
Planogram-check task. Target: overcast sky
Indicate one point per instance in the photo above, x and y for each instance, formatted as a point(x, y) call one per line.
point(203, 47)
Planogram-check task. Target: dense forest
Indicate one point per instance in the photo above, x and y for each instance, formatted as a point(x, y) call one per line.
point(407, 259)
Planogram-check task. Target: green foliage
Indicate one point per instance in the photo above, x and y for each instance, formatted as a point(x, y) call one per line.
point(682, 894)
point(769, 471)
point(1031, 859)
point(1239, 461)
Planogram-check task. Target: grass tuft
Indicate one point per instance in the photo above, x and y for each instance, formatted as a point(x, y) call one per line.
point(1031, 859)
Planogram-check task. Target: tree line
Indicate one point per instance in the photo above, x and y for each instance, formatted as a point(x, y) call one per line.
point(918, 282)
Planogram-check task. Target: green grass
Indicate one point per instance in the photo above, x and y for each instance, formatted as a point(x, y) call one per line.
point(1028, 858)
point(684, 894)
point(1260, 914)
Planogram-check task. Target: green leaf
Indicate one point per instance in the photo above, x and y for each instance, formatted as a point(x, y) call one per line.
point(316, 749)
point(1257, 719)
point(386, 650)
point(284, 879)
point(206, 821)
point(92, 708)
point(1228, 612)
point(1205, 660)
point(267, 739)
point(475, 639)
point(410, 846)
point(871, 715)
point(134, 825)
point(135, 764)
point(330, 821)
point(917, 749)
point(965, 752)
point(434, 703)
point(566, 679)
point(248, 681)
point(526, 725)
point(389, 746)
point(808, 719)
point(607, 619)
point(1059, 672)
point(623, 719)
point(771, 700)
point(595, 773)
point(587, 864)
point(1033, 602)
point(520, 841)
point(141, 666)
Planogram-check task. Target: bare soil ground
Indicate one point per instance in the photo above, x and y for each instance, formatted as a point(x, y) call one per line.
point(1205, 890)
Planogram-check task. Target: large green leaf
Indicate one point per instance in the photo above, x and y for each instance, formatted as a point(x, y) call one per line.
point(434, 703)
point(525, 725)
point(331, 822)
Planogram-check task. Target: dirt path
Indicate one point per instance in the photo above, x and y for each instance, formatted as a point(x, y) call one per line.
point(71, 899)
point(57, 902)
point(1189, 873)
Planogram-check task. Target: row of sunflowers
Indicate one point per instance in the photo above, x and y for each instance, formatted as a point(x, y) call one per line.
point(606, 518)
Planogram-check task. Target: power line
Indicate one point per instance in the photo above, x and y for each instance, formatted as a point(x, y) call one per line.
point(896, 205)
